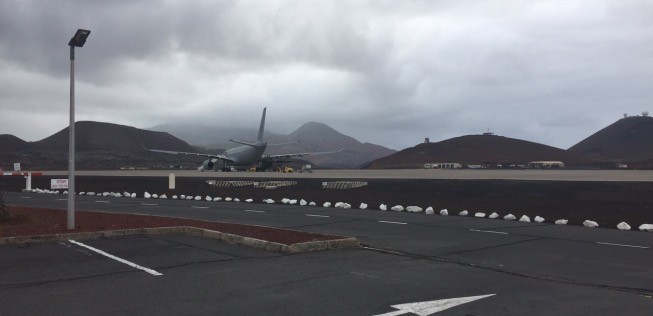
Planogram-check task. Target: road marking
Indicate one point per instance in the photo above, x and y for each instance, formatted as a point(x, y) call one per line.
point(25, 197)
point(149, 204)
point(129, 263)
point(387, 222)
point(431, 307)
point(620, 245)
point(489, 231)
point(193, 206)
point(62, 199)
point(102, 202)
point(254, 211)
point(314, 215)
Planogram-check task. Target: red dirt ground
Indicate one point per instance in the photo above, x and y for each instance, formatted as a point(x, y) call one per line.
point(27, 221)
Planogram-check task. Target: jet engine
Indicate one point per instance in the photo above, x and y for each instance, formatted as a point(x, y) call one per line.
point(207, 165)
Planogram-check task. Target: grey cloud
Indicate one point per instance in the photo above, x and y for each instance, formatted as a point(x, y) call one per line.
point(382, 71)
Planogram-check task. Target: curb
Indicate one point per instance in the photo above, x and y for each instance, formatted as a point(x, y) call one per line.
point(343, 243)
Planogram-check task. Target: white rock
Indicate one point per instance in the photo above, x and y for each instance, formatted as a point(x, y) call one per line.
point(510, 217)
point(163, 196)
point(327, 204)
point(343, 205)
point(646, 227)
point(155, 196)
point(126, 193)
point(338, 204)
point(174, 197)
point(133, 195)
point(493, 215)
point(444, 212)
point(218, 199)
point(82, 193)
point(383, 207)
point(561, 222)
point(363, 206)
point(190, 197)
point(397, 208)
point(303, 202)
point(269, 201)
point(198, 198)
point(292, 202)
point(65, 192)
point(208, 198)
point(118, 195)
point(311, 203)
point(479, 214)
point(147, 195)
point(590, 224)
point(463, 213)
point(623, 226)
point(105, 193)
point(236, 200)
point(249, 200)
point(429, 210)
point(525, 218)
point(539, 219)
point(414, 209)
point(285, 201)
point(183, 197)
point(228, 199)
point(91, 193)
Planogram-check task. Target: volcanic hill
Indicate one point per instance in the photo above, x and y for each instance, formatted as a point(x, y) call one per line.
point(627, 140)
point(488, 150)
point(318, 137)
point(98, 146)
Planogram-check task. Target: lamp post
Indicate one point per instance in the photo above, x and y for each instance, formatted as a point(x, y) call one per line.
point(78, 40)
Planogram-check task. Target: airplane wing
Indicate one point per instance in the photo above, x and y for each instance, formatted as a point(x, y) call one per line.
point(303, 154)
point(191, 154)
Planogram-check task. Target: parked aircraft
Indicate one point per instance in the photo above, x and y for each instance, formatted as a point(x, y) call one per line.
point(247, 155)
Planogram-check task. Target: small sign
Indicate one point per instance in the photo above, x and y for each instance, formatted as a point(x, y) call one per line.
point(57, 184)
point(16, 166)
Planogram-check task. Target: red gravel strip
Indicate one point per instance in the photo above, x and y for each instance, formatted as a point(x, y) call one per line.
point(26, 221)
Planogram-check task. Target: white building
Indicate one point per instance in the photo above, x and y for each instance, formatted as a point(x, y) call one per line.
point(546, 164)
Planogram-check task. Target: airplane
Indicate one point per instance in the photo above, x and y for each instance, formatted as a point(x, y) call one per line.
point(242, 156)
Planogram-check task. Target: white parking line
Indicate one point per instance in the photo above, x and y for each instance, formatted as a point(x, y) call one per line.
point(102, 202)
point(129, 263)
point(62, 199)
point(254, 211)
point(313, 215)
point(621, 245)
point(399, 223)
point(149, 204)
point(193, 206)
point(25, 197)
point(489, 231)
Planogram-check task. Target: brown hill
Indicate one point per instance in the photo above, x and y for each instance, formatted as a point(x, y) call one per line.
point(101, 146)
point(318, 137)
point(629, 139)
point(488, 150)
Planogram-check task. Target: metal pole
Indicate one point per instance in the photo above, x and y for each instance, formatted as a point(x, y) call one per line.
point(71, 144)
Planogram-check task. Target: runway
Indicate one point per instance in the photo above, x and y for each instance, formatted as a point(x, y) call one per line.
point(460, 174)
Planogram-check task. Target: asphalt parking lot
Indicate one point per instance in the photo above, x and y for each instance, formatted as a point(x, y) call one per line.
point(489, 267)
point(200, 276)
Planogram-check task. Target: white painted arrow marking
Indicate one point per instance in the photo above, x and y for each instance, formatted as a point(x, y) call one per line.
point(430, 307)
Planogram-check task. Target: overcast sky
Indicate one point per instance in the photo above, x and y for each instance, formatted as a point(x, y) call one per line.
point(385, 72)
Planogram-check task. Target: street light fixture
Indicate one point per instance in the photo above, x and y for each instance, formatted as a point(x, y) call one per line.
point(78, 40)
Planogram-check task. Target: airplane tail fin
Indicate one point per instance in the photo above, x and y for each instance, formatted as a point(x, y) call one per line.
point(262, 127)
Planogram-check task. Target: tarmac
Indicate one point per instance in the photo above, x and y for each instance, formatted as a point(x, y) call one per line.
point(461, 174)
